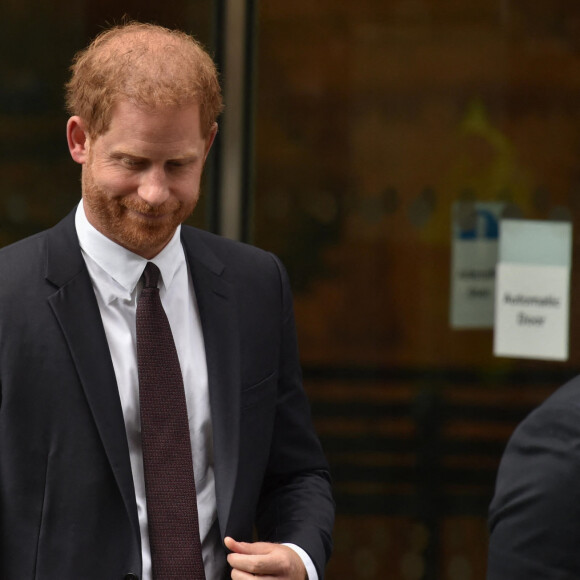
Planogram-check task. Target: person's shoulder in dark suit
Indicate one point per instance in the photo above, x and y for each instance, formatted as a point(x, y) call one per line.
point(23, 271)
point(229, 252)
point(535, 513)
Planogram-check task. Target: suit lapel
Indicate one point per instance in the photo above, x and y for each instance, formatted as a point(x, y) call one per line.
point(76, 309)
point(219, 320)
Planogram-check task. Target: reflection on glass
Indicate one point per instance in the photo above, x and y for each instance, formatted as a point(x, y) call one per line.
point(373, 119)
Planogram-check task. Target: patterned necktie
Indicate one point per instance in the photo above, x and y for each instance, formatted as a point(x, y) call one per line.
point(167, 460)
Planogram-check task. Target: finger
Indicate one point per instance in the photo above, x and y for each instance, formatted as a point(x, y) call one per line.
point(280, 562)
point(253, 548)
point(251, 563)
point(241, 575)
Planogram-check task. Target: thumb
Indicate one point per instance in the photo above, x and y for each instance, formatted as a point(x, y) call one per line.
point(253, 548)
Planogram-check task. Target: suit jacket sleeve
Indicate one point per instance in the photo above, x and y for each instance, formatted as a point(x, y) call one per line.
point(535, 514)
point(296, 504)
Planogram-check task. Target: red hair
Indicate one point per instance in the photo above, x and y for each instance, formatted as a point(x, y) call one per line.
point(148, 65)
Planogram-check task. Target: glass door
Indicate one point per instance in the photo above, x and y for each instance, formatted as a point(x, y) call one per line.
point(376, 120)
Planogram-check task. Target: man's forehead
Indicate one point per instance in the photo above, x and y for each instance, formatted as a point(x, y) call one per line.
point(139, 131)
point(136, 117)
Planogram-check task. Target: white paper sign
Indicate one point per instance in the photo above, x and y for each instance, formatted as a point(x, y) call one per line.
point(533, 290)
point(532, 311)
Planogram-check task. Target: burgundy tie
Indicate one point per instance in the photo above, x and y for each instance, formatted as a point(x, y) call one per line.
point(167, 460)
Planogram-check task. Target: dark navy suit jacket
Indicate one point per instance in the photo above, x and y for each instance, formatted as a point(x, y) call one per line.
point(535, 513)
point(67, 503)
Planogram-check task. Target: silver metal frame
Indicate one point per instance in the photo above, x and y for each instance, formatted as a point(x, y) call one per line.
point(234, 74)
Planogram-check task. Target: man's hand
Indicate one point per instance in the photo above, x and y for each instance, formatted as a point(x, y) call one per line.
point(264, 560)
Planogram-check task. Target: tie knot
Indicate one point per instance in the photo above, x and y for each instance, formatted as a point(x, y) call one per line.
point(151, 274)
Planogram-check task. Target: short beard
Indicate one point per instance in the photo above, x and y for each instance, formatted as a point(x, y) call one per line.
point(114, 217)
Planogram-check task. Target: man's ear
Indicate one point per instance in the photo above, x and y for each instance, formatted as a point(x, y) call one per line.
point(210, 139)
point(78, 139)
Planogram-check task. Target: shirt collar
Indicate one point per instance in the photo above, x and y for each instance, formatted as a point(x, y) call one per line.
point(123, 267)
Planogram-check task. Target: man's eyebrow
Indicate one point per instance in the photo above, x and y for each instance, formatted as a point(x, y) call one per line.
point(120, 154)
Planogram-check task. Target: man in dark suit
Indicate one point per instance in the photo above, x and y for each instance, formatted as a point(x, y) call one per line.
point(75, 500)
point(535, 512)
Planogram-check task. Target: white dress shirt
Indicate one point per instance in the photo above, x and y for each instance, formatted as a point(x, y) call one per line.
point(115, 273)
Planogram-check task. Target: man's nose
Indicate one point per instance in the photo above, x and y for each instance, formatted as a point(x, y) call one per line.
point(154, 187)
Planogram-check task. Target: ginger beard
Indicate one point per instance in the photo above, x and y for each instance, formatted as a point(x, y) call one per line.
point(131, 222)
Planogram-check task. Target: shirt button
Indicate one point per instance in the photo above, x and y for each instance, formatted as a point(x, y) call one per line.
point(131, 576)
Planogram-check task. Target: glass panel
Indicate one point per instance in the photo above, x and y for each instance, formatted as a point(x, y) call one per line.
point(39, 183)
point(373, 118)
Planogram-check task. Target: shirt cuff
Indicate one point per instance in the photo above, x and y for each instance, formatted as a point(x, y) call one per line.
point(311, 573)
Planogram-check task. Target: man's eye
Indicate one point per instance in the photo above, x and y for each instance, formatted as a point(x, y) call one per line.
point(176, 164)
point(131, 163)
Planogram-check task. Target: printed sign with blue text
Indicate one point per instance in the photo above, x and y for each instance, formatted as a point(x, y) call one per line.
point(474, 252)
